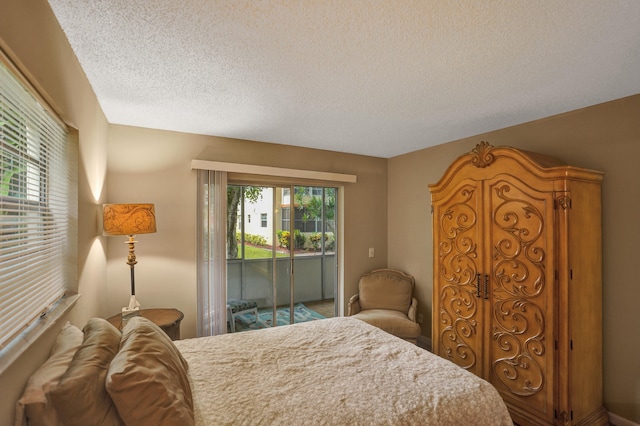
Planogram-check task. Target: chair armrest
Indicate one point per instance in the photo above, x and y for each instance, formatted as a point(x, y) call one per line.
point(413, 310)
point(354, 305)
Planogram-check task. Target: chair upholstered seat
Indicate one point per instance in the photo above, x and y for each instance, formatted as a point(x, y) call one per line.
point(385, 300)
point(393, 322)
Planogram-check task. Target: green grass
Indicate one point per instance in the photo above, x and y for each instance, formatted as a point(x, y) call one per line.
point(252, 252)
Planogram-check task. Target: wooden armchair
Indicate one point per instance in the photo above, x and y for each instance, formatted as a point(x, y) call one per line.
point(385, 300)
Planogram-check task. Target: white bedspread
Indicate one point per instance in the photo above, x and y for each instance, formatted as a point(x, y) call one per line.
point(338, 371)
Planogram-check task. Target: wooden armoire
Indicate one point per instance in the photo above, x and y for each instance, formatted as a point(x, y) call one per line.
point(517, 291)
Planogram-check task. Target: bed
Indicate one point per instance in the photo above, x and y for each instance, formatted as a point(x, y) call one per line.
point(338, 371)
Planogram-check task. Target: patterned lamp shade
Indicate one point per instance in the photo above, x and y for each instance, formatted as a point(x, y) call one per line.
point(128, 219)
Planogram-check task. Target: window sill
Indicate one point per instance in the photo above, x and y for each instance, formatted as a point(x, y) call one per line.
point(21, 343)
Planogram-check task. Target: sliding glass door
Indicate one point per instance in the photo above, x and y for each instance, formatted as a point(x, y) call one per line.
point(280, 255)
point(312, 218)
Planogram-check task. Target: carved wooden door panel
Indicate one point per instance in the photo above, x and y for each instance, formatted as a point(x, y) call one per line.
point(458, 334)
point(519, 352)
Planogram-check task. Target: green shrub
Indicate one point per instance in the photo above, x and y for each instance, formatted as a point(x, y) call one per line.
point(315, 239)
point(298, 239)
point(257, 240)
point(283, 238)
point(330, 245)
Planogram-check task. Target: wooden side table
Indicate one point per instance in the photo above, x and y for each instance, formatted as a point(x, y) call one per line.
point(168, 319)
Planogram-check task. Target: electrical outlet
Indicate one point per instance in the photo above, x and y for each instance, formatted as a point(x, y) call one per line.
point(420, 318)
point(372, 252)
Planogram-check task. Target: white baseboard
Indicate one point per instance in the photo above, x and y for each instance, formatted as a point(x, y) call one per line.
point(616, 420)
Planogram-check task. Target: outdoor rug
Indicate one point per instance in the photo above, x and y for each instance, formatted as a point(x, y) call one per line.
point(265, 317)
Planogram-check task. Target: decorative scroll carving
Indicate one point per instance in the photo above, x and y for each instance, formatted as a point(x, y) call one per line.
point(519, 370)
point(519, 280)
point(482, 155)
point(457, 254)
point(564, 202)
point(459, 324)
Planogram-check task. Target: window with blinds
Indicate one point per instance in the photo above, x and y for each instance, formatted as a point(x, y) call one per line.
point(38, 197)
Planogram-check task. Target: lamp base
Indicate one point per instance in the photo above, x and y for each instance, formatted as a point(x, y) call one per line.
point(133, 310)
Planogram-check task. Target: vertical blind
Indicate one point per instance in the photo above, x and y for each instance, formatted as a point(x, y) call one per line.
point(38, 192)
point(212, 253)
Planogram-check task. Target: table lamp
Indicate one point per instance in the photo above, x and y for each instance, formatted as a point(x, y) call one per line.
point(129, 219)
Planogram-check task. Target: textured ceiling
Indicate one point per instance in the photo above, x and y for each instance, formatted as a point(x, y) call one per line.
point(373, 77)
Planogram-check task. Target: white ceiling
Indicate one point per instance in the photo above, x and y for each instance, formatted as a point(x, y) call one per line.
point(372, 77)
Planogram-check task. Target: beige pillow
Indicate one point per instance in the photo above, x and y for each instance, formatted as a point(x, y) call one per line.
point(80, 398)
point(35, 405)
point(148, 379)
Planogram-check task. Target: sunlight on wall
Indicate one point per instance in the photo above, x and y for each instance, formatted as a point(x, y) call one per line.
point(96, 184)
point(93, 162)
point(96, 176)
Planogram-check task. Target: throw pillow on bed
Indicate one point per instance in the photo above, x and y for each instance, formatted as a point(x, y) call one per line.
point(80, 398)
point(148, 379)
point(35, 405)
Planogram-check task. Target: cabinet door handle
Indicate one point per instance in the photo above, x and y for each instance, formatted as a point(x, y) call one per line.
point(478, 285)
point(486, 286)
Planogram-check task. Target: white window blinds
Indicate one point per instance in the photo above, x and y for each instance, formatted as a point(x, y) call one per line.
point(38, 195)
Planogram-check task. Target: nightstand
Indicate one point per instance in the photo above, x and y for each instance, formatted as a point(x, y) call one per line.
point(167, 319)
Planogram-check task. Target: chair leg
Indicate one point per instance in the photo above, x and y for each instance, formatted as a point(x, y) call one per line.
point(255, 312)
point(232, 320)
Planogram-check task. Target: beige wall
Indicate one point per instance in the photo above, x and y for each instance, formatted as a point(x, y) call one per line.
point(154, 166)
point(604, 137)
point(32, 38)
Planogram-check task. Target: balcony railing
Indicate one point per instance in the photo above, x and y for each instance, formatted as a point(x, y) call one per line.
point(252, 279)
